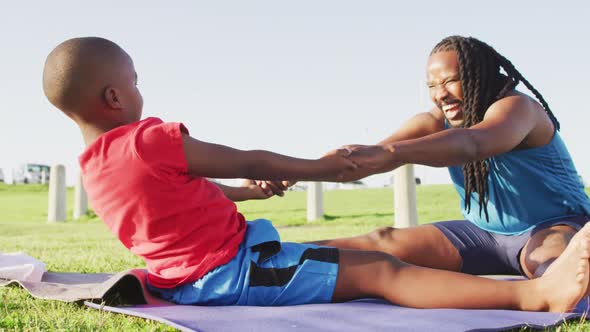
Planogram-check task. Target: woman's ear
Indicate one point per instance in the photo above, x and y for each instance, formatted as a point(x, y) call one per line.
point(111, 97)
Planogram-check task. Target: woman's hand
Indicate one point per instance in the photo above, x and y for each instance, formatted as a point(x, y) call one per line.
point(374, 157)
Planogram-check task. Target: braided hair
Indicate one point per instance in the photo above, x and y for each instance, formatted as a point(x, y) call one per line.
point(483, 84)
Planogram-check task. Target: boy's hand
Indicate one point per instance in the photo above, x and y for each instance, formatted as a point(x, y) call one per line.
point(257, 189)
point(338, 164)
point(275, 187)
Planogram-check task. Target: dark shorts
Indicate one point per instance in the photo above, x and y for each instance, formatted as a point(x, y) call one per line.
point(485, 252)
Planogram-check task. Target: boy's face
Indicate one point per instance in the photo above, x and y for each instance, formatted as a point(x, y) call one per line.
point(444, 85)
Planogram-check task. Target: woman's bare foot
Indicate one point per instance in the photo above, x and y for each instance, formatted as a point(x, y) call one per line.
point(564, 285)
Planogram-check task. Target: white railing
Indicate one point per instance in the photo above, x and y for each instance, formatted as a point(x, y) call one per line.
point(57, 196)
point(404, 193)
point(404, 188)
point(315, 201)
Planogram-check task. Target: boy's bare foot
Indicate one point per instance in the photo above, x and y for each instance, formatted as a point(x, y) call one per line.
point(564, 285)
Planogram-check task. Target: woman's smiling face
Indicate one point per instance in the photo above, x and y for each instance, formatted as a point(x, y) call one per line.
point(444, 85)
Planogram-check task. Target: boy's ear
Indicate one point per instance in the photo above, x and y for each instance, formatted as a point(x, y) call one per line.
point(111, 97)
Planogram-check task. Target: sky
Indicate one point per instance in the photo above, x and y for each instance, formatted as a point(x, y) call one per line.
point(296, 77)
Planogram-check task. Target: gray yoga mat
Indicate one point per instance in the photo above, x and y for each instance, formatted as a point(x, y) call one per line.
point(360, 315)
point(125, 293)
point(127, 287)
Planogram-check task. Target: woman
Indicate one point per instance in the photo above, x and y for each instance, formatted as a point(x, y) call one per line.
point(520, 193)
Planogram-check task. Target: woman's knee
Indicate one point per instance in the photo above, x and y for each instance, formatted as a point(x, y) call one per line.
point(543, 248)
point(380, 235)
point(384, 240)
point(423, 245)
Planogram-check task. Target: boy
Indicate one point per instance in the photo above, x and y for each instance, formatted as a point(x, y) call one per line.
point(146, 179)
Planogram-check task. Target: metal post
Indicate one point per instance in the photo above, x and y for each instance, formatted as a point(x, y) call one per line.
point(80, 199)
point(315, 201)
point(57, 194)
point(404, 194)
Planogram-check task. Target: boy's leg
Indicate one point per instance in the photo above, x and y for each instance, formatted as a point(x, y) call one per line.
point(375, 274)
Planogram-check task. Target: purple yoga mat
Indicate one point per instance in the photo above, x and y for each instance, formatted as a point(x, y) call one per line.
point(360, 315)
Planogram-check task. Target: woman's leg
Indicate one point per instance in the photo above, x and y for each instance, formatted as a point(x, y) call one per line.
point(375, 274)
point(423, 245)
point(544, 247)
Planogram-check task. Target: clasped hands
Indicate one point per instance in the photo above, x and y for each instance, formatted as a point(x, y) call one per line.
point(348, 163)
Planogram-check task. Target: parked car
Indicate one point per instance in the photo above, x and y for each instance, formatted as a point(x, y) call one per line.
point(1, 175)
point(31, 173)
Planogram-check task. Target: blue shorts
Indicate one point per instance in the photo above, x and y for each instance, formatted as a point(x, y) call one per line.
point(485, 252)
point(264, 272)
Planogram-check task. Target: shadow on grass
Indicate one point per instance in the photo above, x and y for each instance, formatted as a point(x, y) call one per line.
point(329, 217)
point(269, 211)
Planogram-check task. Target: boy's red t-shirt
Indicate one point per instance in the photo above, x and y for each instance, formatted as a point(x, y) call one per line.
point(137, 179)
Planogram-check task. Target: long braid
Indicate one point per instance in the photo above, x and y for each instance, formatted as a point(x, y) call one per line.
point(478, 84)
point(469, 77)
point(482, 85)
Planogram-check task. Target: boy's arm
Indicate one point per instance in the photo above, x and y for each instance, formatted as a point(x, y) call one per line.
point(219, 161)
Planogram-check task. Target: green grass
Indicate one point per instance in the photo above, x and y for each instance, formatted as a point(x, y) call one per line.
point(87, 245)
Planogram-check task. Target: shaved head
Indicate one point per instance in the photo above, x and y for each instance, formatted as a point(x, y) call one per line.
point(78, 70)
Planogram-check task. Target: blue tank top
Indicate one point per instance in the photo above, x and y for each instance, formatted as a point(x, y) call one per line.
point(527, 187)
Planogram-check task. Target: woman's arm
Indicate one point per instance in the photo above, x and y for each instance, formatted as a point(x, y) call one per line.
point(420, 125)
point(505, 126)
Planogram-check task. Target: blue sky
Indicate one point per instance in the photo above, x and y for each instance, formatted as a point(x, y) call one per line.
point(296, 77)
